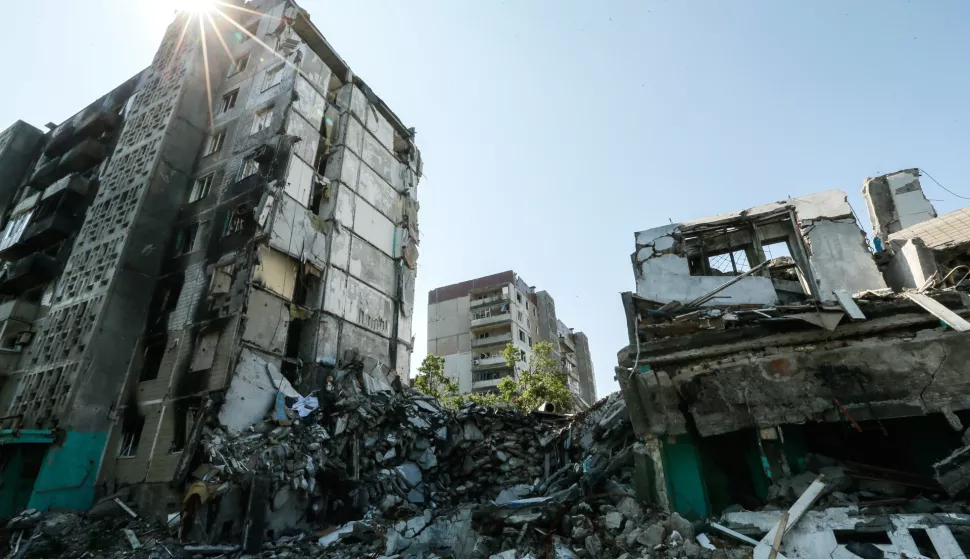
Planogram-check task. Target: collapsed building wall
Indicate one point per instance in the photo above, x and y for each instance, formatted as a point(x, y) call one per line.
point(736, 386)
point(684, 261)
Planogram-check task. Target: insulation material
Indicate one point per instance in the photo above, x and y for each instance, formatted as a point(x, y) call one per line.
point(309, 102)
point(374, 227)
point(306, 147)
point(299, 180)
point(382, 161)
point(255, 383)
point(276, 272)
point(297, 232)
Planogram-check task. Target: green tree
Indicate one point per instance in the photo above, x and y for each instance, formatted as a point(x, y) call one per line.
point(543, 380)
point(433, 382)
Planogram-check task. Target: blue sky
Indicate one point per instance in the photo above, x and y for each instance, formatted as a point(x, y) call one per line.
point(553, 130)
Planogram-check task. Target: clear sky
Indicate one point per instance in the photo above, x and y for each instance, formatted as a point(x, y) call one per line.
point(552, 130)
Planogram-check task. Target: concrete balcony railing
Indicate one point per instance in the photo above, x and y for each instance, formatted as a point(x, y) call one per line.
point(489, 363)
point(566, 343)
point(492, 340)
point(490, 300)
point(502, 318)
point(485, 384)
point(21, 311)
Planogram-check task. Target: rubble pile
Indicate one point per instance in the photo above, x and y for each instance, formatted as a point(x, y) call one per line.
point(389, 449)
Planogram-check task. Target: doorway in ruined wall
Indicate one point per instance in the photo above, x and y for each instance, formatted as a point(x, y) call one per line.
point(20, 465)
point(881, 459)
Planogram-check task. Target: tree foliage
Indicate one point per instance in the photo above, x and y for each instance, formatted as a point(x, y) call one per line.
point(433, 382)
point(542, 380)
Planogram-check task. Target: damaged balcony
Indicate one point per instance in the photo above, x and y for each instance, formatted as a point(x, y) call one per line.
point(27, 273)
point(490, 317)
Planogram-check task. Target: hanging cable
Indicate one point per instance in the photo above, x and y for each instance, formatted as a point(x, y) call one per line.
point(941, 186)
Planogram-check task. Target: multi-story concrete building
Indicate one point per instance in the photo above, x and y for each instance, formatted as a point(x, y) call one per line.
point(470, 323)
point(230, 223)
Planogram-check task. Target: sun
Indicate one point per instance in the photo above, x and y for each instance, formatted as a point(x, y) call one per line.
point(194, 6)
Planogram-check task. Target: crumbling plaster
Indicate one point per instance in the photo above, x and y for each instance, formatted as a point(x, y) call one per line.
point(874, 378)
point(837, 252)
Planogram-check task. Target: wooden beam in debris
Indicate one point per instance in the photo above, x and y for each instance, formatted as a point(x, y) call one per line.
point(932, 306)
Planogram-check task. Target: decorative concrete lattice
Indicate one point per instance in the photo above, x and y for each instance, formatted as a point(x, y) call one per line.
point(55, 359)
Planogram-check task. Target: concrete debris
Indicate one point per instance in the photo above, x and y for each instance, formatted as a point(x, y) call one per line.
point(393, 474)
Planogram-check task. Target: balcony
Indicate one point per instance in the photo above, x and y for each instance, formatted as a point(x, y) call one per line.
point(62, 139)
point(42, 232)
point(485, 385)
point(82, 157)
point(45, 175)
point(492, 340)
point(71, 184)
point(490, 300)
point(21, 311)
point(495, 319)
point(566, 343)
point(97, 123)
point(31, 271)
point(489, 363)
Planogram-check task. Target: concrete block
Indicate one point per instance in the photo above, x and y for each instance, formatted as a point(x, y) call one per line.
point(350, 299)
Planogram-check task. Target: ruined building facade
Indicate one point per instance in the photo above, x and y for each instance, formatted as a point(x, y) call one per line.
point(196, 243)
point(470, 323)
point(762, 337)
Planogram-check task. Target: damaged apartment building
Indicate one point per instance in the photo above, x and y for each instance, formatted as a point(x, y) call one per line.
point(193, 244)
point(471, 322)
point(763, 339)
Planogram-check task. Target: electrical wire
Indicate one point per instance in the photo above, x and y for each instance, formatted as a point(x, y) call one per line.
point(941, 186)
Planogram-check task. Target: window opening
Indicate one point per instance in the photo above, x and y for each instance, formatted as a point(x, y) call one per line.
point(201, 188)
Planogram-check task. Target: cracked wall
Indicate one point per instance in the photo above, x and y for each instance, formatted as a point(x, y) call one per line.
point(827, 245)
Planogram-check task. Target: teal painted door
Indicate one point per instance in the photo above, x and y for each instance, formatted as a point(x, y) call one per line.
point(20, 465)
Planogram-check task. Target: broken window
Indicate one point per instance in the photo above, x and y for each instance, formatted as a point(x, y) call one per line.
point(521, 336)
point(483, 335)
point(229, 100)
point(530, 341)
point(519, 315)
point(263, 119)
point(201, 188)
point(186, 239)
point(729, 263)
point(239, 65)
point(183, 426)
point(130, 437)
point(518, 297)
point(214, 144)
point(250, 167)
point(152, 363)
point(273, 77)
point(235, 221)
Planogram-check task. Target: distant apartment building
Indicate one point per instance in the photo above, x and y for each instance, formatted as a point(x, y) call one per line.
point(470, 323)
